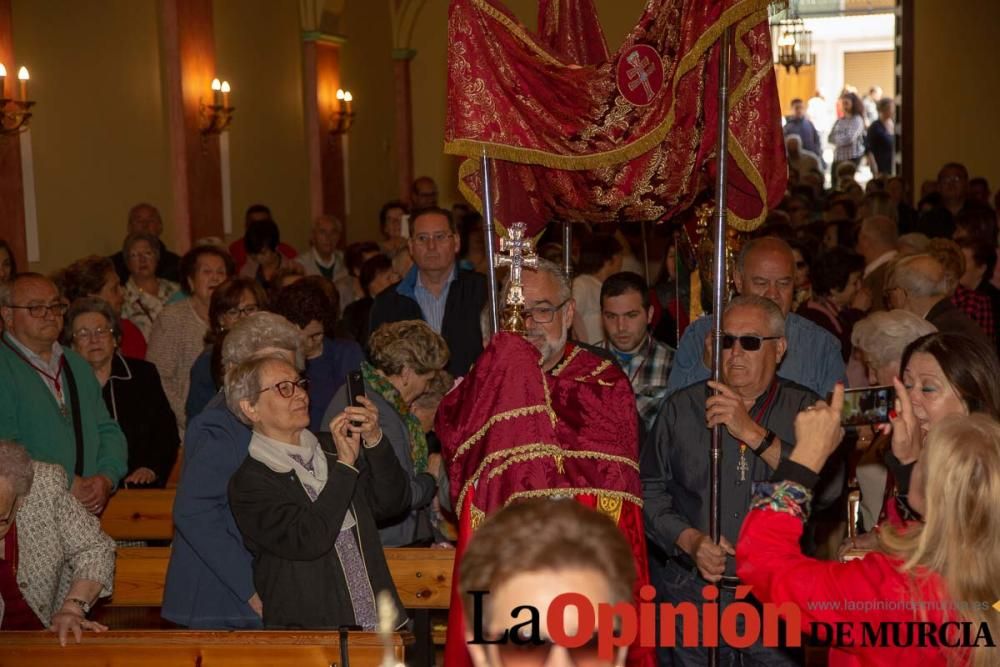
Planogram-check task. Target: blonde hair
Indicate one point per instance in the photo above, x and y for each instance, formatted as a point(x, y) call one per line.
point(960, 536)
point(411, 343)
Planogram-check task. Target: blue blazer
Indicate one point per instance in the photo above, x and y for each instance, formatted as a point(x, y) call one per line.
point(210, 578)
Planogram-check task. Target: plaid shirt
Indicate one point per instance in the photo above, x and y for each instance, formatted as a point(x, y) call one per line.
point(648, 371)
point(977, 306)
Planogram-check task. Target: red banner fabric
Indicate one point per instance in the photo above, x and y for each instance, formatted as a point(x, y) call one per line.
point(568, 145)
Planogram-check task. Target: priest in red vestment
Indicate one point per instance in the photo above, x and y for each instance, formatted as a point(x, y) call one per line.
point(541, 416)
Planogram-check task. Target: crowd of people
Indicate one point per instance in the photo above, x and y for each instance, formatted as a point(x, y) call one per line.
point(226, 369)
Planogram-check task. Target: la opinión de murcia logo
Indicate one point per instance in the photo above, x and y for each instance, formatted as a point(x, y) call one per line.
point(779, 625)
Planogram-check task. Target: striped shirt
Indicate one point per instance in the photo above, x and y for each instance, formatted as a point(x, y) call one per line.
point(433, 306)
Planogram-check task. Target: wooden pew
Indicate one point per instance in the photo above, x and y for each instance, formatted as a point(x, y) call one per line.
point(422, 576)
point(140, 514)
point(183, 648)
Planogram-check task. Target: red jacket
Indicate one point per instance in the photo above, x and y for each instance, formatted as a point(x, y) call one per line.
point(769, 559)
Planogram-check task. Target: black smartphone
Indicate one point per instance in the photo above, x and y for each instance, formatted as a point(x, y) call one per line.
point(355, 388)
point(867, 405)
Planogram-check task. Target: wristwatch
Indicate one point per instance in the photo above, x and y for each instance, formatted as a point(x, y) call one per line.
point(82, 604)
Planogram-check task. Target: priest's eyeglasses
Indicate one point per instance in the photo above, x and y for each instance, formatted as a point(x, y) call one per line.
point(543, 314)
point(40, 310)
point(747, 342)
point(286, 388)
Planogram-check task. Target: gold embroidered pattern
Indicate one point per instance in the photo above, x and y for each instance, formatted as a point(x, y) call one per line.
point(565, 362)
point(594, 373)
point(610, 506)
point(497, 418)
point(476, 517)
point(544, 493)
point(536, 450)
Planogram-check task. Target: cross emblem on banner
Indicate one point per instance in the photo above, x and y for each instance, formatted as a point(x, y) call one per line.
point(639, 74)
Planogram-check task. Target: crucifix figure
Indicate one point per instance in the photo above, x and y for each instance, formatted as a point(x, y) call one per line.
point(517, 254)
point(640, 73)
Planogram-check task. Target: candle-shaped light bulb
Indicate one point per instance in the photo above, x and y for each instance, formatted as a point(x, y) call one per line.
point(225, 93)
point(348, 97)
point(3, 78)
point(22, 76)
point(217, 91)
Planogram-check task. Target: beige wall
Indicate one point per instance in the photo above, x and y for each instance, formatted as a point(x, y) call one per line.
point(258, 48)
point(98, 133)
point(367, 71)
point(956, 87)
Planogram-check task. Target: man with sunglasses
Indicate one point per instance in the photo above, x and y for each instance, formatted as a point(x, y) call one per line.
point(757, 410)
point(766, 267)
point(436, 290)
point(51, 400)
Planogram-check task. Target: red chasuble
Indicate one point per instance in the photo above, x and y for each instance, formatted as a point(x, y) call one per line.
point(510, 431)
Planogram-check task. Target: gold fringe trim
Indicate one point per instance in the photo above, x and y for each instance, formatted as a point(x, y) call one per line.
point(543, 493)
point(476, 517)
point(496, 419)
point(536, 450)
point(594, 373)
point(565, 362)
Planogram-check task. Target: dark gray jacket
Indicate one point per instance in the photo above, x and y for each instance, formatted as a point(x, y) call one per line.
point(412, 525)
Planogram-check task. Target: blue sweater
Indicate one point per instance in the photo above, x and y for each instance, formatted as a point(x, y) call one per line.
point(210, 576)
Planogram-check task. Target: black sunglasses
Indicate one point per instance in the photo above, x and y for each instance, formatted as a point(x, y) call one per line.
point(748, 343)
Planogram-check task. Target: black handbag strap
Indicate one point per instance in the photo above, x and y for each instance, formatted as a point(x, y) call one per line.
point(74, 402)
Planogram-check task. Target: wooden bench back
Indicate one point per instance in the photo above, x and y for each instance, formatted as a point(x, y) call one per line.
point(140, 514)
point(183, 648)
point(422, 576)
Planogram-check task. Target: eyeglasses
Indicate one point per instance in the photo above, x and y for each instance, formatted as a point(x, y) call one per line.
point(92, 334)
point(141, 255)
point(543, 314)
point(40, 310)
point(747, 342)
point(524, 652)
point(438, 237)
point(243, 312)
point(286, 388)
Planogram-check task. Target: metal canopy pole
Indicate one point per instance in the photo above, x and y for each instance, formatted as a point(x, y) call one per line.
point(718, 289)
point(568, 250)
point(486, 166)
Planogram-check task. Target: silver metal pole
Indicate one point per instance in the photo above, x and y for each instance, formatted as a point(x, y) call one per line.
point(486, 167)
point(568, 250)
point(718, 289)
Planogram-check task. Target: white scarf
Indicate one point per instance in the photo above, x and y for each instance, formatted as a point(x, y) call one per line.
point(283, 458)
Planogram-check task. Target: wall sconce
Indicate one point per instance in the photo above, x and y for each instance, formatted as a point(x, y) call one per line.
point(216, 117)
point(14, 113)
point(343, 117)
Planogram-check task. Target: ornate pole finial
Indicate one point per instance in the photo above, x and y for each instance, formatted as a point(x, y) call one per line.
point(516, 252)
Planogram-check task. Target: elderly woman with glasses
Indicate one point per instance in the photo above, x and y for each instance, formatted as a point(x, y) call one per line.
point(209, 581)
point(56, 561)
point(405, 356)
point(131, 389)
point(307, 513)
point(232, 301)
point(95, 276)
point(145, 293)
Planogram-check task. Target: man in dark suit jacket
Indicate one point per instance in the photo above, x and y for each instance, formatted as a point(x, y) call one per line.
point(918, 283)
point(145, 218)
point(435, 290)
